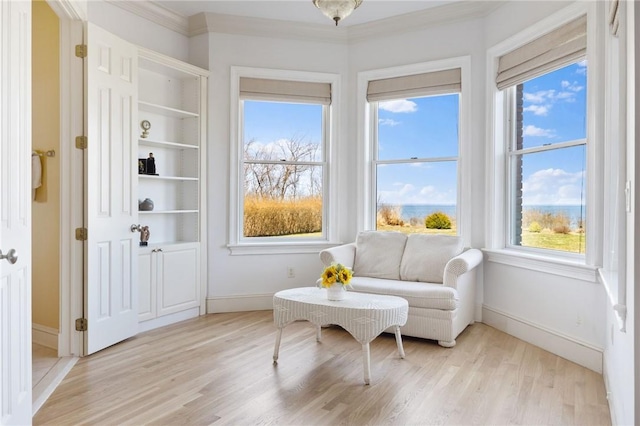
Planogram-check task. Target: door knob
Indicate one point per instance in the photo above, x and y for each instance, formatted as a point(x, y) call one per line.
point(11, 256)
point(136, 228)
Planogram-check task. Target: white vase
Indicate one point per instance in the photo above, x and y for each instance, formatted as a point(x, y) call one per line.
point(336, 292)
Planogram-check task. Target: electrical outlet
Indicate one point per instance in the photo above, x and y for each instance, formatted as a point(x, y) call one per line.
point(291, 272)
point(579, 320)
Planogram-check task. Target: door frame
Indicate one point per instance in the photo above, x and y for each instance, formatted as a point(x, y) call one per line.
point(73, 16)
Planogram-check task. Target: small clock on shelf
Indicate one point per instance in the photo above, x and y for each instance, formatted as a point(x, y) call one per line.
point(146, 125)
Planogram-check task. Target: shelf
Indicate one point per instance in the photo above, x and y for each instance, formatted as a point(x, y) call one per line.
point(152, 177)
point(165, 144)
point(164, 110)
point(145, 212)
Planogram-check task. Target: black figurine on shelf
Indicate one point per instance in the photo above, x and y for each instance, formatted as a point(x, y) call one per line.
point(151, 165)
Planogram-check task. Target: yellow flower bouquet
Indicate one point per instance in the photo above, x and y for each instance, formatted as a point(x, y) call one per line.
point(336, 273)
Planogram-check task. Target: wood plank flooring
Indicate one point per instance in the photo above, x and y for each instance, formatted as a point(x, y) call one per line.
point(217, 369)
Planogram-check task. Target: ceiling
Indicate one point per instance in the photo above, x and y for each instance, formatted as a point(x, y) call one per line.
point(300, 10)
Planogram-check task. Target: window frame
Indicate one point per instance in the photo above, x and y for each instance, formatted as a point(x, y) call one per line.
point(367, 142)
point(498, 129)
point(375, 161)
point(511, 153)
point(237, 243)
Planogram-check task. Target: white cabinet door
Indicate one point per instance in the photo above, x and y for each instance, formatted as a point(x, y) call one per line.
point(178, 278)
point(147, 281)
point(15, 212)
point(111, 275)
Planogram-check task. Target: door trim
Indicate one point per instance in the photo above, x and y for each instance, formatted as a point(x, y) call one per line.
point(72, 15)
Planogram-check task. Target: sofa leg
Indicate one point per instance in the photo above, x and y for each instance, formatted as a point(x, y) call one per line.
point(445, 344)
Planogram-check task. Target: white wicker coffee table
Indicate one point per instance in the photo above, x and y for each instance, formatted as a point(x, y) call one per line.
point(363, 315)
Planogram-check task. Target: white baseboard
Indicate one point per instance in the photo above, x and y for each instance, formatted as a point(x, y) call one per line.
point(43, 390)
point(168, 319)
point(568, 347)
point(610, 396)
point(253, 302)
point(44, 336)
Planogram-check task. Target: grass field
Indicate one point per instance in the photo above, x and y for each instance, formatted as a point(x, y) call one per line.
point(572, 242)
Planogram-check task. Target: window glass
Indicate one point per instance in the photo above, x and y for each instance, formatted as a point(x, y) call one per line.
point(418, 127)
point(408, 193)
point(554, 106)
point(416, 167)
point(283, 169)
point(548, 192)
point(553, 199)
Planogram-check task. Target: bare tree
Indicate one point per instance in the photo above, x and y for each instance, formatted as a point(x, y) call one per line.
point(281, 170)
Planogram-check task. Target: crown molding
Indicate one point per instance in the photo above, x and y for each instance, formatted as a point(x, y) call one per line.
point(231, 24)
point(69, 9)
point(156, 13)
point(260, 27)
point(446, 14)
point(206, 22)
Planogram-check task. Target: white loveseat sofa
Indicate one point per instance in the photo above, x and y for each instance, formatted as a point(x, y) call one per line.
point(434, 273)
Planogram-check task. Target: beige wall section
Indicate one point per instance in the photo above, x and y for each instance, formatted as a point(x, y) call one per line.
point(46, 136)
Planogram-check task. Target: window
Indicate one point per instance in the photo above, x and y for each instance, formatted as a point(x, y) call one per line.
point(547, 161)
point(544, 83)
point(415, 145)
point(283, 163)
point(280, 165)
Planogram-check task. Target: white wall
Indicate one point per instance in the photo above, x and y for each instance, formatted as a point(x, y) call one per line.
point(256, 276)
point(567, 309)
point(138, 30)
point(621, 363)
point(564, 315)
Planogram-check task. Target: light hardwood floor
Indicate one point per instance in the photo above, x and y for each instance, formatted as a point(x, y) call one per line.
point(218, 369)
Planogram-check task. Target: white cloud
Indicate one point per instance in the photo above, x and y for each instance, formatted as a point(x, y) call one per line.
point(539, 97)
point(582, 67)
point(532, 130)
point(428, 190)
point(405, 188)
point(553, 187)
point(388, 122)
point(538, 109)
point(399, 106)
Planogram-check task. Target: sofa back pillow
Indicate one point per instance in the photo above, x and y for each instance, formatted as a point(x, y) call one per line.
point(425, 257)
point(378, 254)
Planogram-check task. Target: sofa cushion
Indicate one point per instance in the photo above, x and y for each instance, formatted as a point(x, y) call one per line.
point(419, 295)
point(378, 254)
point(425, 257)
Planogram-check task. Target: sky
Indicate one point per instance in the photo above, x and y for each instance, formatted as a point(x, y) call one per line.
point(554, 112)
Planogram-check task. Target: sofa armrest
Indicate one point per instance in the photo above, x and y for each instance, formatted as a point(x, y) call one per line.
point(460, 265)
point(344, 254)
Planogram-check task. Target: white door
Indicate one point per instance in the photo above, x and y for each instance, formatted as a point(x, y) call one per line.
point(15, 212)
point(111, 274)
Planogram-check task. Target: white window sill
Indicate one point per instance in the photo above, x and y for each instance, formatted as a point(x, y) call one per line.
point(279, 248)
point(550, 265)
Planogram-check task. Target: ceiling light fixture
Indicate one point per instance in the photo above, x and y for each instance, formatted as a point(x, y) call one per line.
point(337, 9)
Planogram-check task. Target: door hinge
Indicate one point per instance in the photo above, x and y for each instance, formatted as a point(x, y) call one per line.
point(81, 234)
point(81, 324)
point(82, 142)
point(81, 50)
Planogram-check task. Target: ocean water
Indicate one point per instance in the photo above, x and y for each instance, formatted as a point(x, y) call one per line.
point(420, 211)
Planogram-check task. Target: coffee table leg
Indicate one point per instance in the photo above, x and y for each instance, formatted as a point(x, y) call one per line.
point(318, 333)
point(366, 359)
point(399, 342)
point(277, 348)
